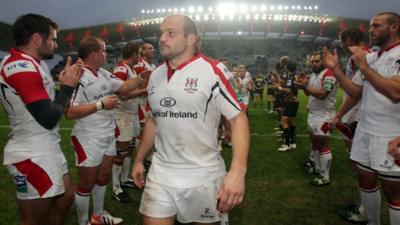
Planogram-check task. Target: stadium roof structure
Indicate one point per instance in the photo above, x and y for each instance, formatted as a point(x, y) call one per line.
point(225, 21)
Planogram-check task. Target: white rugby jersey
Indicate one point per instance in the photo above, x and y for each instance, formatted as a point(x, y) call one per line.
point(322, 109)
point(378, 114)
point(187, 105)
point(245, 82)
point(125, 72)
point(351, 69)
point(25, 80)
point(93, 87)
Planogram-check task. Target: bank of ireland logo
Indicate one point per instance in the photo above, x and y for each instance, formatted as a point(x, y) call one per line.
point(167, 102)
point(191, 85)
point(22, 186)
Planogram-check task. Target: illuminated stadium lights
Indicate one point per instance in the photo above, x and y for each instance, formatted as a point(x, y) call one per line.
point(205, 17)
point(197, 17)
point(182, 9)
point(286, 7)
point(175, 10)
point(169, 10)
point(315, 7)
point(210, 9)
point(243, 8)
point(191, 9)
point(298, 7)
point(272, 8)
point(280, 7)
point(253, 8)
point(263, 8)
point(200, 9)
point(256, 16)
point(264, 17)
point(143, 11)
point(158, 10)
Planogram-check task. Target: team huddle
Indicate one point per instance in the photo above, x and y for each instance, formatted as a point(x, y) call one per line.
point(172, 113)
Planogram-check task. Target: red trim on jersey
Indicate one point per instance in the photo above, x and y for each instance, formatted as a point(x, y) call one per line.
point(92, 71)
point(121, 75)
point(19, 52)
point(28, 85)
point(225, 82)
point(35, 175)
point(80, 153)
point(388, 48)
point(171, 71)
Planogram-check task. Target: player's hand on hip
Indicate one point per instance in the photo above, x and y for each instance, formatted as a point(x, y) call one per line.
point(393, 148)
point(72, 73)
point(110, 102)
point(138, 174)
point(231, 191)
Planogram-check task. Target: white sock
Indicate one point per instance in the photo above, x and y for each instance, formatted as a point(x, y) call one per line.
point(82, 197)
point(316, 160)
point(325, 162)
point(371, 200)
point(98, 193)
point(126, 169)
point(394, 212)
point(311, 156)
point(116, 174)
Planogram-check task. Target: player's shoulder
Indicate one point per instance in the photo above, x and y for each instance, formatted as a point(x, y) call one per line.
point(16, 64)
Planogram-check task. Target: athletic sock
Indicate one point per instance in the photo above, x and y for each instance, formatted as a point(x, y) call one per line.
point(126, 169)
point(371, 200)
point(394, 212)
point(82, 197)
point(286, 135)
point(116, 175)
point(325, 162)
point(98, 191)
point(292, 134)
point(316, 161)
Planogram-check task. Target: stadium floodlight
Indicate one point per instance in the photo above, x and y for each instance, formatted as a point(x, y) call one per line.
point(148, 11)
point(169, 10)
point(191, 9)
point(210, 9)
point(197, 17)
point(315, 7)
point(253, 8)
point(305, 7)
point(205, 17)
point(163, 10)
point(239, 32)
point(152, 11)
point(182, 9)
point(264, 17)
point(143, 11)
point(280, 7)
point(158, 10)
point(272, 8)
point(243, 8)
point(200, 9)
point(298, 7)
point(175, 10)
point(263, 8)
point(293, 7)
point(286, 7)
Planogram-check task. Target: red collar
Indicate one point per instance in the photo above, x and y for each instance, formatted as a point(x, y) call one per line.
point(388, 48)
point(170, 71)
point(18, 52)
point(91, 70)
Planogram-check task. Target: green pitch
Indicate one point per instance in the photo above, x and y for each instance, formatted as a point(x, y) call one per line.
point(277, 189)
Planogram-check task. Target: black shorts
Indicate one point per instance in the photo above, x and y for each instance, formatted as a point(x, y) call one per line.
point(290, 109)
point(259, 91)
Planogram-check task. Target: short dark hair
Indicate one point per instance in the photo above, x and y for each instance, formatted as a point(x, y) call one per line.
point(392, 19)
point(129, 50)
point(89, 45)
point(26, 25)
point(353, 33)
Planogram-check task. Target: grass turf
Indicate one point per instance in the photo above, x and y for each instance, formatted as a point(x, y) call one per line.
point(277, 189)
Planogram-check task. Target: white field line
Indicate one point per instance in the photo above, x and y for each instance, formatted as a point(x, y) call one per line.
point(252, 134)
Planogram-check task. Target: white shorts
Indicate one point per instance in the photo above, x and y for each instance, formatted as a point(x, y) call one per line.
point(89, 151)
point(125, 126)
point(320, 128)
point(372, 151)
point(39, 177)
point(198, 204)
